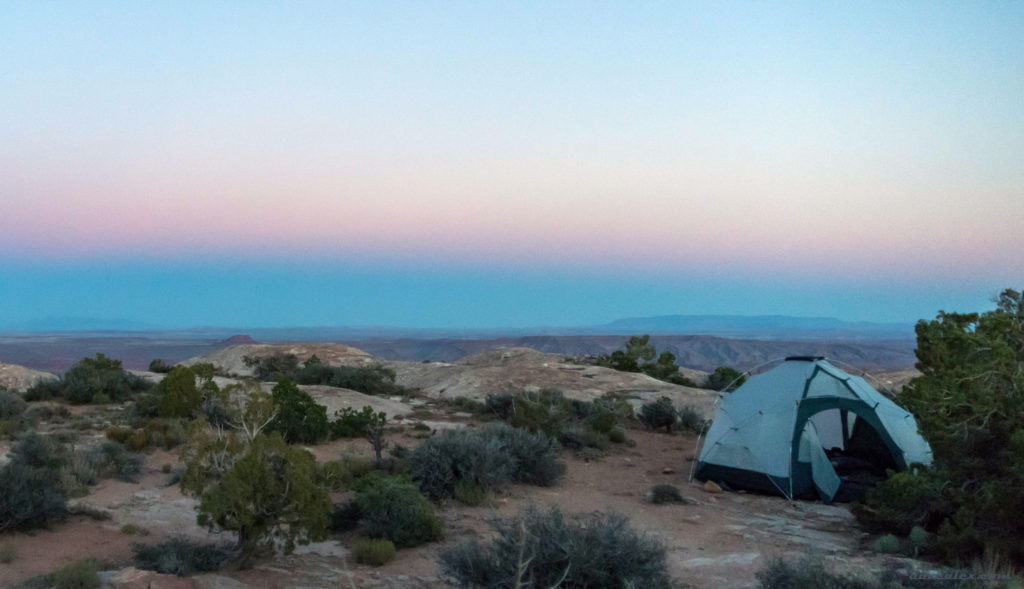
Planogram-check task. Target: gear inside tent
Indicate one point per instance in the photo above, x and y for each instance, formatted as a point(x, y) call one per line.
point(807, 429)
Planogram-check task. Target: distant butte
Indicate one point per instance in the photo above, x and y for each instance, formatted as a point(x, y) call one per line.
point(239, 339)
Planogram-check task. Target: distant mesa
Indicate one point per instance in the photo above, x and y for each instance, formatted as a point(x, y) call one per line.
point(236, 340)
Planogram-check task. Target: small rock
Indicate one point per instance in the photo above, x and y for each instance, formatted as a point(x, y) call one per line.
point(712, 487)
point(667, 470)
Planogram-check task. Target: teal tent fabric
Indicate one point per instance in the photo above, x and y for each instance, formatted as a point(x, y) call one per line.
point(756, 435)
point(825, 479)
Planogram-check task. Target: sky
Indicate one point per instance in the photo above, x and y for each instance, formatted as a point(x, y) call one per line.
point(507, 164)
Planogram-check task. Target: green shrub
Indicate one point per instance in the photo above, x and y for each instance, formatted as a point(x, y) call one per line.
point(604, 413)
point(638, 356)
point(134, 530)
point(596, 439)
point(392, 507)
point(12, 406)
point(299, 418)
point(658, 414)
point(617, 436)
point(919, 539)
point(547, 412)
point(666, 369)
point(79, 474)
point(10, 428)
point(488, 458)
point(138, 441)
point(549, 549)
point(357, 466)
point(45, 390)
point(333, 476)
point(166, 433)
point(181, 556)
point(99, 376)
point(372, 380)
point(724, 378)
point(32, 492)
point(906, 499)
point(349, 423)
point(472, 494)
point(690, 420)
point(268, 367)
point(373, 551)
point(159, 366)
point(968, 405)
point(473, 456)
point(887, 544)
point(269, 496)
point(468, 405)
point(573, 437)
point(177, 393)
point(345, 517)
point(81, 575)
point(501, 405)
point(665, 494)
point(602, 423)
point(399, 452)
point(111, 459)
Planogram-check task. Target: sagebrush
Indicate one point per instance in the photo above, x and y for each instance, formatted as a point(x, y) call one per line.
point(550, 549)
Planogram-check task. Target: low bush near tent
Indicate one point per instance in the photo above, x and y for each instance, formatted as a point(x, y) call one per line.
point(658, 414)
point(549, 549)
point(487, 459)
point(392, 508)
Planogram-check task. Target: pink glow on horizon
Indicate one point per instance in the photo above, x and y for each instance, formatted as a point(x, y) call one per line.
point(525, 233)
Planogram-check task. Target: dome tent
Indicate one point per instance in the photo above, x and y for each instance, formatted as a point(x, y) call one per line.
point(771, 433)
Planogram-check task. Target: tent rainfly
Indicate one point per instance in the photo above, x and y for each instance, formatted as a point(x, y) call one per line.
point(771, 434)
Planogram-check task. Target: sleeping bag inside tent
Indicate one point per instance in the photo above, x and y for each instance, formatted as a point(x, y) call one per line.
point(807, 429)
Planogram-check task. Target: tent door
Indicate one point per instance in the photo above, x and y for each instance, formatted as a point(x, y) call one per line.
point(825, 479)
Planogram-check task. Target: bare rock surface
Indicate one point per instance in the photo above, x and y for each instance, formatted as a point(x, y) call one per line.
point(516, 369)
point(19, 378)
point(893, 380)
point(334, 399)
